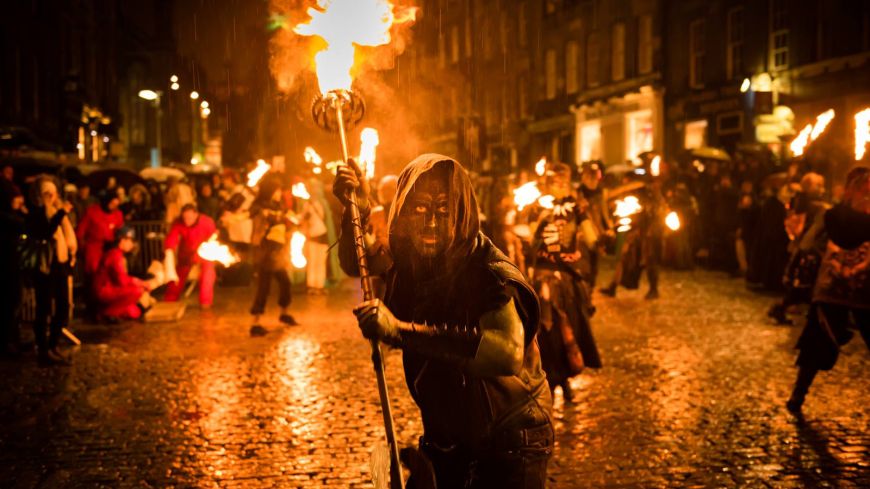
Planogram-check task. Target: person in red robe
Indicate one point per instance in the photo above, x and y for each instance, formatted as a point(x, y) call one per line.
point(189, 231)
point(96, 229)
point(116, 293)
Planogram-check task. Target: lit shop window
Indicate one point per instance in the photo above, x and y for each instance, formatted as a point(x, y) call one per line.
point(639, 133)
point(695, 134)
point(779, 34)
point(590, 141)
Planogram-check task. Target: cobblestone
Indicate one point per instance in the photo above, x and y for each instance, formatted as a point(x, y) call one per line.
point(691, 395)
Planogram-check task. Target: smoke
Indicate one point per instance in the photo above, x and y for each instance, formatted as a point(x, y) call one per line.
point(376, 74)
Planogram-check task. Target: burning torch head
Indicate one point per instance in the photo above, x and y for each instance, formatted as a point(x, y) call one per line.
point(325, 109)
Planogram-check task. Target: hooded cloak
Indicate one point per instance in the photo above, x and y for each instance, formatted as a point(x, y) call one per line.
point(474, 278)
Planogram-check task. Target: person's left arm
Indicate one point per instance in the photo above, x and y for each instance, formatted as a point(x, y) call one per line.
point(69, 235)
point(494, 347)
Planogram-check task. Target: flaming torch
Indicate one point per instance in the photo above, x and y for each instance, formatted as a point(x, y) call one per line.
point(541, 166)
point(297, 244)
point(299, 190)
point(215, 251)
point(626, 208)
point(314, 159)
point(257, 173)
point(367, 150)
point(344, 24)
point(862, 133)
point(672, 221)
point(811, 132)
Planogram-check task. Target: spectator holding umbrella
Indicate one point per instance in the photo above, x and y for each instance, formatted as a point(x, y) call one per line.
point(117, 293)
point(186, 234)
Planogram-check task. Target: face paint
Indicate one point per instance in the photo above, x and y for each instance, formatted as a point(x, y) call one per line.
point(426, 215)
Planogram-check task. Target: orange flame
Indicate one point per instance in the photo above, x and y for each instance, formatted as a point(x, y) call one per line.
point(214, 250)
point(624, 209)
point(344, 24)
point(297, 243)
point(368, 146)
point(526, 195)
point(672, 221)
point(314, 159)
point(299, 190)
point(811, 132)
point(541, 166)
point(862, 133)
point(257, 173)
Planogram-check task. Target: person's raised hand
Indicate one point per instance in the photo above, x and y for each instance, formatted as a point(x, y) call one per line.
point(350, 178)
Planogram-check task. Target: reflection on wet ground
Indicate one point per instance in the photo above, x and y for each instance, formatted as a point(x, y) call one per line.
point(691, 395)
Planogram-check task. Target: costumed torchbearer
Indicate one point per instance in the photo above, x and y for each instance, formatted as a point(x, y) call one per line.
point(271, 246)
point(841, 296)
point(565, 338)
point(465, 320)
point(187, 232)
point(116, 292)
point(95, 231)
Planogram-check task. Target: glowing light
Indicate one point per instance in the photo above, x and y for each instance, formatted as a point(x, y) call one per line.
point(625, 208)
point(801, 141)
point(526, 195)
point(257, 173)
point(312, 157)
point(822, 121)
point(811, 132)
point(194, 95)
point(541, 166)
point(204, 104)
point(93, 133)
point(546, 201)
point(148, 94)
point(173, 78)
point(672, 221)
point(297, 244)
point(862, 133)
point(175, 86)
point(204, 112)
point(344, 24)
point(215, 251)
point(655, 166)
point(367, 151)
point(744, 87)
point(299, 190)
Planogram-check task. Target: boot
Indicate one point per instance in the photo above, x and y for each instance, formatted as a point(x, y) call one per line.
point(801, 387)
point(777, 313)
point(609, 291)
point(652, 295)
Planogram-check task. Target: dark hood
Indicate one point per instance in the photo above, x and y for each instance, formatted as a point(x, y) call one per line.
point(463, 203)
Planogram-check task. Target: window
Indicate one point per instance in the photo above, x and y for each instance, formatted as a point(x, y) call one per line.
point(778, 34)
point(590, 141)
point(644, 44)
point(696, 54)
point(572, 53)
point(454, 44)
point(550, 67)
point(639, 133)
point(593, 60)
point(695, 135)
point(522, 97)
point(734, 55)
point(617, 67)
point(523, 24)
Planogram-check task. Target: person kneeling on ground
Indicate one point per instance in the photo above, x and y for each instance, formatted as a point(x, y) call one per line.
point(117, 293)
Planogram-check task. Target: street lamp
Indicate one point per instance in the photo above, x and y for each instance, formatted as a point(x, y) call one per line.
point(154, 98)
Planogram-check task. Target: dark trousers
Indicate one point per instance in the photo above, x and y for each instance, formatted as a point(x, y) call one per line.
point(518, 466)
point(51, 290)
point(264, 283)
point(10, 304)
point(828, 327)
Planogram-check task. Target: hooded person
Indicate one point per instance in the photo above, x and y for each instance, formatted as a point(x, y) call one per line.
point(116, 292)
point(96, 229)
point(465, 319)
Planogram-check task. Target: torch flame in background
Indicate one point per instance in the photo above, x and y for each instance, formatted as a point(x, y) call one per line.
point(297, 243)
point(625, 208)
point(343, 24)
point(312, 158)
point(541, 166)
point(862, 133)
point(257, 173)
point(672, 221)
point(526, 195)
point(368, 146)
point(811, 132)
point(655, 166)
point(546, 201)
point(213, 250)
point(299, 190)
point(822, 121)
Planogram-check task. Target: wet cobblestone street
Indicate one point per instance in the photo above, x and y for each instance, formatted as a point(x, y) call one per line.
point(691, 395)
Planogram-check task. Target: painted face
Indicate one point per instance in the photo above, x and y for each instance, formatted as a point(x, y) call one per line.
point(426, 215)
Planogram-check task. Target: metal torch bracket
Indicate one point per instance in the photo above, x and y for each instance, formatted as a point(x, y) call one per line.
point(353, 108)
